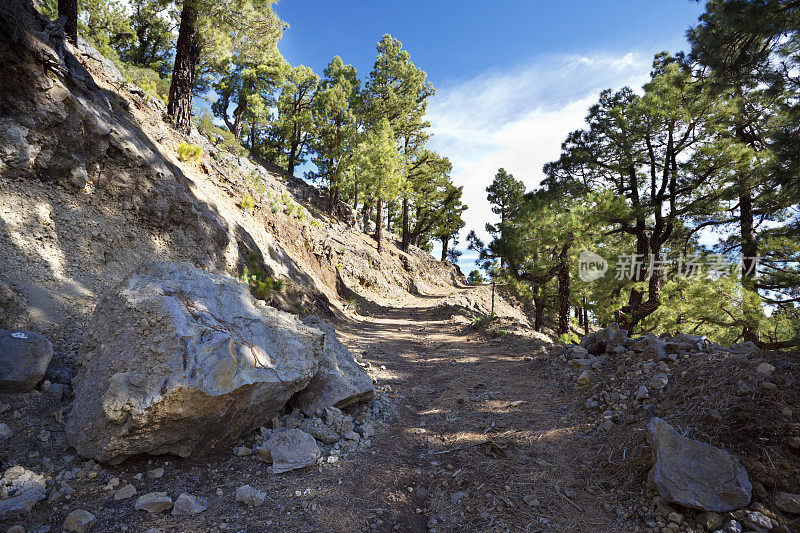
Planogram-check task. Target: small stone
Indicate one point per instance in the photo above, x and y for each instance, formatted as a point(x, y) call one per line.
point(733, 527)
point(5, 431)
point(584, 379)
point(79, 521)
point(18, 529)
point(765, 369)
point(757, 521)
point(44, 435)
point(675, 517)
point(531, 500)
point(155, 473)
point(709, 520)
point(128, 491)
point(787, 412)
point(351, 435)
point(788, 503)
point(242, 451)
point(188, 504)
point(250, 496)
point(767, 385)
point(642, 393)
point(154, 502)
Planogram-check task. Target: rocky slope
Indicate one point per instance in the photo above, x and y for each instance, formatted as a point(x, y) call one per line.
point(91, 188)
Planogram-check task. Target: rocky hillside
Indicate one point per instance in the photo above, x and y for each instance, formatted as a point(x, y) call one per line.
point(91, 187)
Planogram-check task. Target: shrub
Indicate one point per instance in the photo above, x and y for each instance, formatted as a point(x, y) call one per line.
point(223, 136)
point(247, 203)
point(260, 284)
point(189, 152)
point(258, 182)
point(153, 85)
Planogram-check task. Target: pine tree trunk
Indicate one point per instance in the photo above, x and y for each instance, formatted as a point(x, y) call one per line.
point(379, 223)
point(563, 298)
point(69, 9)
point(187, 53)
point(749, 263)
point(445, 243)
point(406, 238)
point(585, 316)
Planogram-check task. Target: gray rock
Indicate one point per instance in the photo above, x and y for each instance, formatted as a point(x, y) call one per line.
point(612, 337)
point(694, 474)
point(745, 348)
point(650, 347)
point(153, 502)
point(21, 503)
point(6, 432)
point(178, 360)
point(289, 450)
point(733, 527)
point(128, 491)
point(188, 504)
point(339, 381)
point(79, 521)
point(250, 496)
point(642, 393)
point(757, 521)
point(24, 356)
point(317, 429)
point(788, 503)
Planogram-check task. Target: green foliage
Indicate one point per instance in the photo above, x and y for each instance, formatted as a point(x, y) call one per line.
point(247, 203)
point(153, 85)
point(475, 278)
point(206, 126)
point(190, 152)
point(258, 182)
point(260, 284)
point(352, 305)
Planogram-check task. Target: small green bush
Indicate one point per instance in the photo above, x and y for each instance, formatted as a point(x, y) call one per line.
point(153, 85)
point(258, 182)
point(247, 203)
point(189, 152)
point(260, 284)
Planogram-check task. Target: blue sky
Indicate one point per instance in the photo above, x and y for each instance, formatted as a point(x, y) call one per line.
point(512, 77)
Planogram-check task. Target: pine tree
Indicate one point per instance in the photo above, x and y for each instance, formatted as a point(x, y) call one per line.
point(335, 128)
point(293, 127)
point(240, 32)
point(379, 164)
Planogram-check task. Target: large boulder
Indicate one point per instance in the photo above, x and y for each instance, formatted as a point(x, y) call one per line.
point(694, 474)
point(340, 380)
point(177, 360)
point(24, 356)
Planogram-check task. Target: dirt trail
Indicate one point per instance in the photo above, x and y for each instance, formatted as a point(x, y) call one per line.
point(483, 440)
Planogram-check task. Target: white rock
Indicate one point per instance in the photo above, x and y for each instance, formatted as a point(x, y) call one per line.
point(188, 504)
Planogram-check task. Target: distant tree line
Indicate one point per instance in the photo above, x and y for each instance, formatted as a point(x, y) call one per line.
point(367, 138)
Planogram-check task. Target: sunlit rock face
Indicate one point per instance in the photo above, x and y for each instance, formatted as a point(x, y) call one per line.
point(177, 360)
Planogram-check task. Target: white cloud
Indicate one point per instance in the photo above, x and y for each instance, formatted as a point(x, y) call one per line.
point(517, 119)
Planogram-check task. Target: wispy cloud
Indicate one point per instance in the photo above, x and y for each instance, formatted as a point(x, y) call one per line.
point(517, 119)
